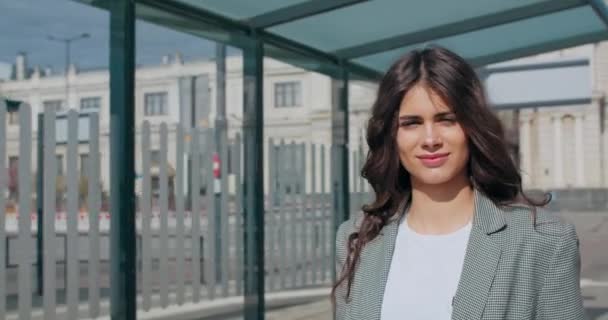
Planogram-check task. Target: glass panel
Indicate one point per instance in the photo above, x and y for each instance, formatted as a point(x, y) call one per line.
point(54, 57)
point(189, 207)
point(188, 25)
point(506, 87)
point(513, 36)
point(190, 199)
point(397, 17)
point(241, 9)
point(545, 140)
point(361, 97)
point(298, 195)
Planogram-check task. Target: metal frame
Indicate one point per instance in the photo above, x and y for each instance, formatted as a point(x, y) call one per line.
point(545, 104)
point(221, 29)
point(339, 165)
point(253, 209)
point(40, 206)
point(537, 66)
point(237, 34)
point(123, 278)
point(600, 9)
point(298, 11)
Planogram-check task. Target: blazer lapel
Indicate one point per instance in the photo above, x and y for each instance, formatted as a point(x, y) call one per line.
point(481, 259)
point(480, 262)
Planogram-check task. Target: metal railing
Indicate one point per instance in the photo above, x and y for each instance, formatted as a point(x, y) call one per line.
point(190, 230)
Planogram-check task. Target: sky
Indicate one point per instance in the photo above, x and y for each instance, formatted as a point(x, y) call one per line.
point(26, 25)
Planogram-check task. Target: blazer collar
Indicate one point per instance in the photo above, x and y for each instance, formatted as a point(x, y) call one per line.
point(488, 217)
point(481, 259)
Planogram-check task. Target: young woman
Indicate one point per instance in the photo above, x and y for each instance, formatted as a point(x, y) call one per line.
point(450, 234)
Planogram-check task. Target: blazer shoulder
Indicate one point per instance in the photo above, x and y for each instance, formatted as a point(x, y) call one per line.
point(351, 225)
point(539, 221)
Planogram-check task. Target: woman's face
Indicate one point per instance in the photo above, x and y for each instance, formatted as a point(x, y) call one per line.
point(431, 143)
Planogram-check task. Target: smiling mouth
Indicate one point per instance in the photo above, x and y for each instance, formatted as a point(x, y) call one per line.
point(434, 161)
point(433, 156)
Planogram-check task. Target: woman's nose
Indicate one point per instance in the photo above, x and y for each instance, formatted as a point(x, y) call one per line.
point(431, 137)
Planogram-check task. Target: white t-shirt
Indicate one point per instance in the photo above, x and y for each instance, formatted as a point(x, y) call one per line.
point(424, 274)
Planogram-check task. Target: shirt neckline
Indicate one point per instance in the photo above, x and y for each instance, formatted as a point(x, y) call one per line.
point(464, 229)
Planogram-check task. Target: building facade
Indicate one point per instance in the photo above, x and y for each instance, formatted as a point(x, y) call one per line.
point(558, 146)
point(297, 104)
point(562, 144)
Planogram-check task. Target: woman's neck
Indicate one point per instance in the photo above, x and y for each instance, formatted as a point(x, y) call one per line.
point(441, 209)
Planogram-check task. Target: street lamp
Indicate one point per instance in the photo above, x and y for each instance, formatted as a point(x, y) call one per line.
point(68, 41)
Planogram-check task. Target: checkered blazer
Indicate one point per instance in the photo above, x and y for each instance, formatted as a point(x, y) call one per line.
point(511, 270)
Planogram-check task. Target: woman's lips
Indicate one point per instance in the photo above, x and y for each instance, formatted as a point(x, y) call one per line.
point(434, 160)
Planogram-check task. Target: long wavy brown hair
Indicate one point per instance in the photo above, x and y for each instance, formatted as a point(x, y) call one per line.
point(491, 169)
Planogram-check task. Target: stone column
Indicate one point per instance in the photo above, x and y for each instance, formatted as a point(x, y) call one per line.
point(558, 167)
point(525, 153)
point(580, 152)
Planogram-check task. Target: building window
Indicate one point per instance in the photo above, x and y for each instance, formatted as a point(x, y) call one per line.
point(287, 94)
point(90, 104)
point(13, 117)
point(155, 104)
point(57, 105)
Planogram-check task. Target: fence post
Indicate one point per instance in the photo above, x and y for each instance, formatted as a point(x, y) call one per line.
point(39, 204)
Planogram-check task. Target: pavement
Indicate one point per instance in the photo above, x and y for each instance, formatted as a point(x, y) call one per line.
point(592, 229)
point(319, 310)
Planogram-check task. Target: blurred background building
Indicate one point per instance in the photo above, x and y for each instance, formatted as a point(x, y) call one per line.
point(227, 254)
point(555, 127)
point(297, 104)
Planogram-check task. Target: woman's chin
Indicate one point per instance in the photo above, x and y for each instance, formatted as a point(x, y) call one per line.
point(435, 178)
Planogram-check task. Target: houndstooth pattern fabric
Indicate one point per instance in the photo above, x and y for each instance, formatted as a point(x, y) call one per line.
point(512, 270)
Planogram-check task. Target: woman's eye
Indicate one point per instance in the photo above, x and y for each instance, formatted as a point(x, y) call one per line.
point(408, 124)
point(448, 120)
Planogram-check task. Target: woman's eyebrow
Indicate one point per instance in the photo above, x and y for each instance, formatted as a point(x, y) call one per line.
point(443, 114)
point(437, 115)
point(409, 116)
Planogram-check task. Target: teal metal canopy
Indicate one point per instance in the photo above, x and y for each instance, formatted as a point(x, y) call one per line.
point(368, 35)
point(346, 39)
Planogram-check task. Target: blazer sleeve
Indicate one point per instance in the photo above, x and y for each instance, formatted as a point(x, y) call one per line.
point(341, 251)
point(560, 296)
